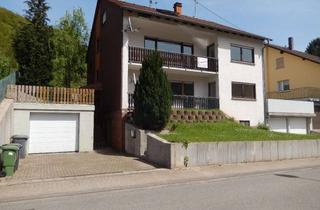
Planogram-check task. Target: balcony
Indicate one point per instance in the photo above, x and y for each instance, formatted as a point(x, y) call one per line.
point(297, 93)
point(187, 102)
point(176, 60)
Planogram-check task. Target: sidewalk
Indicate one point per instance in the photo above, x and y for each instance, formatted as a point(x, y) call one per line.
point(127, 180)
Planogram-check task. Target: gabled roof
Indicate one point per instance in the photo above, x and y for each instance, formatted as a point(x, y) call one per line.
point(300, 54)
point(184, 19)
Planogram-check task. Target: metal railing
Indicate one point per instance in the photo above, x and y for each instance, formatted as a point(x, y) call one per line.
point(10, 79)
point(177, 60)
point(297, 93)
point(186, 102)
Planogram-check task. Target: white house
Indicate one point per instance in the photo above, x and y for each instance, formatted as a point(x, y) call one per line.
point(209, 65)
point(222, 69)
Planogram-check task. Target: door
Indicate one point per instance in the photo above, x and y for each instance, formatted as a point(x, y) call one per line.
point(316, 119)
point(53, 133)
point(211, 53)
point(298, 125)
point(278, 124)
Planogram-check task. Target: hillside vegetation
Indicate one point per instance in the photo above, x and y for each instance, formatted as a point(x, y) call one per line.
point(9, 23)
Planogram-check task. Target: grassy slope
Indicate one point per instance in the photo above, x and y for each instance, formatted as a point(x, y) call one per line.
point(226, 131)
point(9, 22)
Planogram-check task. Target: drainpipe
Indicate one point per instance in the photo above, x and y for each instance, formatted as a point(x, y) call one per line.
point(264, 87)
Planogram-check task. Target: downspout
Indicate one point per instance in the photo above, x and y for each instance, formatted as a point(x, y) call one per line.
point(264, 86)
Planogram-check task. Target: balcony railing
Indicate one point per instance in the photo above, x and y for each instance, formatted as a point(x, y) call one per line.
point(297, 93)
point(187, 102)
point(176, 60)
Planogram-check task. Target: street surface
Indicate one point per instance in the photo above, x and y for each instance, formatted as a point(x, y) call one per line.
point(290, 189)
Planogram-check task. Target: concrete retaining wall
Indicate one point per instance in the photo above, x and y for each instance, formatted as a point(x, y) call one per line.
point(175, 155)
point(6, 119)
point(135, 141)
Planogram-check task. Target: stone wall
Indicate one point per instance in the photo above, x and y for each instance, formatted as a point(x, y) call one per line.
point(191, 116)
point(176, 155)
point(6, 121)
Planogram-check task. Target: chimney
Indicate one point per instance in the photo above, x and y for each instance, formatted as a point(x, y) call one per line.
point(290, 43)
point(177, 8)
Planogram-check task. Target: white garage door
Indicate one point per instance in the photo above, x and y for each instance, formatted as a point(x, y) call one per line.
point(53, 133)
point(298, 125)
point(278, 124)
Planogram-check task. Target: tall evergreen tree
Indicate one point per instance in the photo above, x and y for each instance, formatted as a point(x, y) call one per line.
point(314, 47)
point(32, 46)
point(152, 95)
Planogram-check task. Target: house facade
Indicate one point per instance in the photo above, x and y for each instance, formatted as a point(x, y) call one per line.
point(295, 75)
point(208, 65)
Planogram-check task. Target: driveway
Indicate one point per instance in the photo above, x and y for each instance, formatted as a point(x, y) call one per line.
point(51, 166)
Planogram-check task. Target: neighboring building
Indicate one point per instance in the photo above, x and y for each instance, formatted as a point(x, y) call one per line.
point(208, 65)
point(291, 74)
point(290, 116)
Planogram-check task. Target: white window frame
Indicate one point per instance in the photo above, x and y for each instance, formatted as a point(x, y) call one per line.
point(282, 84)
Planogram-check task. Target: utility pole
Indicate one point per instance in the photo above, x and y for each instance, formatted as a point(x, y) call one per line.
point(195, 8)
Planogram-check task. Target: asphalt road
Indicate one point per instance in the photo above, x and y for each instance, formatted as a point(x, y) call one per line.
point(292, 190)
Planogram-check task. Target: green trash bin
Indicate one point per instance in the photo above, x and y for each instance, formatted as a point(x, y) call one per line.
point(9, 157)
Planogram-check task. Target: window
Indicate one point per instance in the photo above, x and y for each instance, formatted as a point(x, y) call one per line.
point(150, 44)
point(242, 54)
point(245, 122)
point(168, 46)
point(243, 90)
point(104, 17)
point(187, 50)
point(182, 88)
point(280, 63)
point(283, 85)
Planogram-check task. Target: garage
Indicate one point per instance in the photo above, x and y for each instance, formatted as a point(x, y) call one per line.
point(278, 124)
point(289, 116)
point(52, 132)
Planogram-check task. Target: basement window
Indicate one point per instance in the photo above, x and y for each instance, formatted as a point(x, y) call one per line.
point(245, 122)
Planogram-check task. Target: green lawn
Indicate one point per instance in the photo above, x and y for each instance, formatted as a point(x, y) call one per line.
point(226, 131)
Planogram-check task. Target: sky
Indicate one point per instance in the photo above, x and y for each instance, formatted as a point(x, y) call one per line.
point(275, 19)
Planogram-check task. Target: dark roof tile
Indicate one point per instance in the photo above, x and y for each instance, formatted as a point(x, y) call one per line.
point(297, 53)
point(184, 18)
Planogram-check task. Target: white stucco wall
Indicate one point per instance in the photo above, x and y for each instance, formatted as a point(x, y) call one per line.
point(228, 71)
point(235, 72)
point(200, 38)
point(200, 82)
point(290, 106)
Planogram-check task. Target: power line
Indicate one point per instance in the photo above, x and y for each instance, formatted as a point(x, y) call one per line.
point(214, 13)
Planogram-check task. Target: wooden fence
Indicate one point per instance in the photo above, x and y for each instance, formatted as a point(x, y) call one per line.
point(50, 95)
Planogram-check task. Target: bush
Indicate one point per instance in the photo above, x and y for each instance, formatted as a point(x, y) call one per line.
point(263, 126)
point(152, 95)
